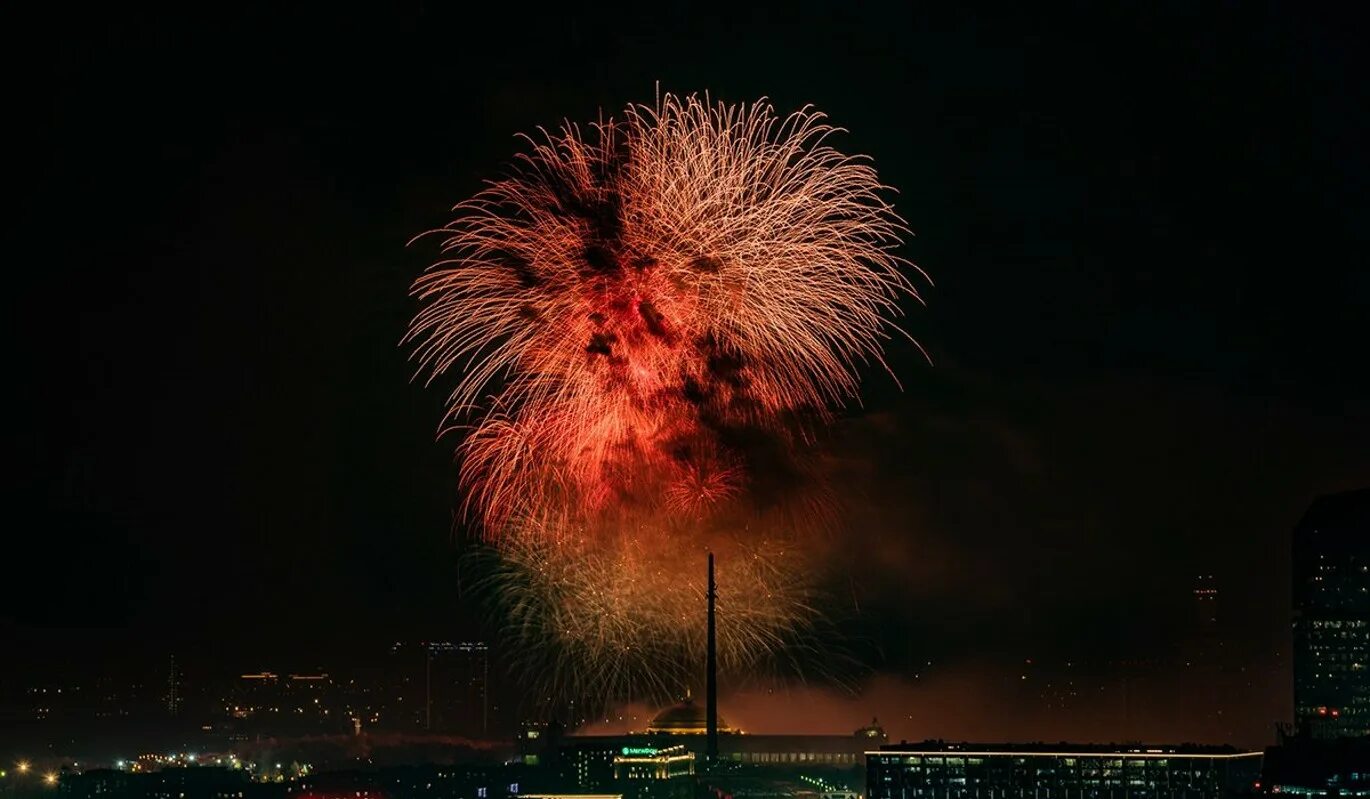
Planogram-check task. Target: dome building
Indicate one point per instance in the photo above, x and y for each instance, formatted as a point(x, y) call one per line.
point(685, 718)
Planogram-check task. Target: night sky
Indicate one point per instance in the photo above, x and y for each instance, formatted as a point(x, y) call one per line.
point(1148, 330)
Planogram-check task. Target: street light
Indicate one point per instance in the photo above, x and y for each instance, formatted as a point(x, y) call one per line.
point(23, 767)
point(50, 779)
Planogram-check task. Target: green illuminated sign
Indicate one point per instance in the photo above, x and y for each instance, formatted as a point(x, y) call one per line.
point(640, 751)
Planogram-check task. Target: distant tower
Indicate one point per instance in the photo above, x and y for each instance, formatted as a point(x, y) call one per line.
point(173, 696)
point(1204, 657)
point(485, 695)
point(1206, 604)
point(711, 699)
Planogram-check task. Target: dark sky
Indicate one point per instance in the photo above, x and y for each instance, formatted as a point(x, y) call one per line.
point(1147, 229)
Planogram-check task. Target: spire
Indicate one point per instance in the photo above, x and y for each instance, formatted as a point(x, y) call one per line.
point(711, 706)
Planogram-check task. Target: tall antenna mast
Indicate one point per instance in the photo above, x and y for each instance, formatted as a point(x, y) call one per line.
point(711, 708)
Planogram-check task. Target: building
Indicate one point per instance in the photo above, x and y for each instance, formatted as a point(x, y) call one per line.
point(652, 773)
point(588, 761)
point(442, 686)
point(1206, 604)
point(471, 780)
point(1331, 616)
point(171, 783)
point(538, 741)
point(938, 770)
point(1317, 767)
point(268, 703)
point(651, 763)
point(174, 696)
point(686, 718)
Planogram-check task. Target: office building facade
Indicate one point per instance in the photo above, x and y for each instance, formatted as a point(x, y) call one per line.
point(1331, 616)
point(937, 770)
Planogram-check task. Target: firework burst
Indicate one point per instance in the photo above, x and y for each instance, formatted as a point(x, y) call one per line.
point(650, 318)
point(620, 619)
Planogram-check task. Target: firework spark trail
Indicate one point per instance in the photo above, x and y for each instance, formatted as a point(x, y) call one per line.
point(626, 617)
point(650, 318)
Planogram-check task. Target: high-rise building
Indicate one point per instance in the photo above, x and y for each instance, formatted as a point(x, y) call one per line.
point(173, 689)
point(1217, 683)
point(1331, 571)
point(444, 685)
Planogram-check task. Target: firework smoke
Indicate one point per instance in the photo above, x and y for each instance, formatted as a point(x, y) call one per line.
point(651, 320)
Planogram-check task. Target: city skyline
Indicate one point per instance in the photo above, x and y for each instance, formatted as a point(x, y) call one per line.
point(448, 688)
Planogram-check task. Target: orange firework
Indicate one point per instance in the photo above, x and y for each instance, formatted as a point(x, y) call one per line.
point(649, 319)
point(620, 616)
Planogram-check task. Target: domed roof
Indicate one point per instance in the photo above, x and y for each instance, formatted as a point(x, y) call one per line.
point(686, 718)
point(873, 731)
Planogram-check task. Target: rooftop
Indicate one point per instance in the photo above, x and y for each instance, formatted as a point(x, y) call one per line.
point(685, 718)
point(1064, 748)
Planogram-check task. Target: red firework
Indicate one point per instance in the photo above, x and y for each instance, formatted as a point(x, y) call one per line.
point(647, 316)
point(624, 295)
